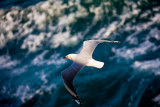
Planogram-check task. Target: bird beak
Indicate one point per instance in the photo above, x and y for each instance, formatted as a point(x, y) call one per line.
point(64, 57)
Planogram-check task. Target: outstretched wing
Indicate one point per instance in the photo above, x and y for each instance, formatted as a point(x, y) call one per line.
point(90, 45)
point(68, 76)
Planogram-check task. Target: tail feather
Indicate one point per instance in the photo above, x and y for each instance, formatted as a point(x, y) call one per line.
point(94, 63)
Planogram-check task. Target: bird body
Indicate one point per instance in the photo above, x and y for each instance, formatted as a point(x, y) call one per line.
point(84, 58)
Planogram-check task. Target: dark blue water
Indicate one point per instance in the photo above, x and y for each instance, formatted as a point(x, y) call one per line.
point(35, 35)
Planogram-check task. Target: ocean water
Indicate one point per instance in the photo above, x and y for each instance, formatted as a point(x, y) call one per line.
point(36, 34)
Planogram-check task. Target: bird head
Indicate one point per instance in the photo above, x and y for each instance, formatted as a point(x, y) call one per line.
point(70, 56)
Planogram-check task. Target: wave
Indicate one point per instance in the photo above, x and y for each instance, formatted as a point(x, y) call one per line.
point(34, 39)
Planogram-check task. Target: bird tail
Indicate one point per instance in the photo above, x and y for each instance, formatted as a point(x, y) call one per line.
point(99, 64)
point(94, 63)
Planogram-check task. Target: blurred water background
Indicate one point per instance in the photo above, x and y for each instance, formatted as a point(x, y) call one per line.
point(36, 34)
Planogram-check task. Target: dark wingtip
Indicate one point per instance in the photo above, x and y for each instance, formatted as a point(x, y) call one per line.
point(78, 101)
point(116, 41)
point(119, 42)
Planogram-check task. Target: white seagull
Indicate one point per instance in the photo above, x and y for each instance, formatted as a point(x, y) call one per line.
point(84, 58)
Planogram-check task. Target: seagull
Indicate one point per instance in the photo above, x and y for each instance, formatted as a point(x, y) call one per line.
point(84, 58)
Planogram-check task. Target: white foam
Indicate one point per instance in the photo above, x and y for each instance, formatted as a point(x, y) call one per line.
point(100, 10)
point(141, 49)
point(8, 16)
point(40, 19)
point(132, 39)
point(144, 15)
point(142, 26)
point(4, 90)
point(10, 35)
point(135, 51)
point(37, 16)
point(100, 33)
point(44, 79)
point(112, 28)
point(2, 40)
point(6, 62)
point(106, 32)
point(64, 39)
point(24, 93)
point(157, 99)
point(5, 38)
point(45, 5)
point(54, 60)
point(82, 12)
point(158, 73)
point(20, 70)
point(39, 60)
point(127, 13)
point(147, 65)
point(67, 19)
point(32, 42)
point(157, 9)
point(72, 17)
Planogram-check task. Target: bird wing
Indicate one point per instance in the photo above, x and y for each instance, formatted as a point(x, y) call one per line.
point(68, 76)
point(90, 45)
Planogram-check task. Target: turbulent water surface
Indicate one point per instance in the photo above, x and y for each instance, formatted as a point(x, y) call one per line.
point(36, 34)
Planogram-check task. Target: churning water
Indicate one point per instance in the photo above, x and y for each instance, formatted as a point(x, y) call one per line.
point(36, 34)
